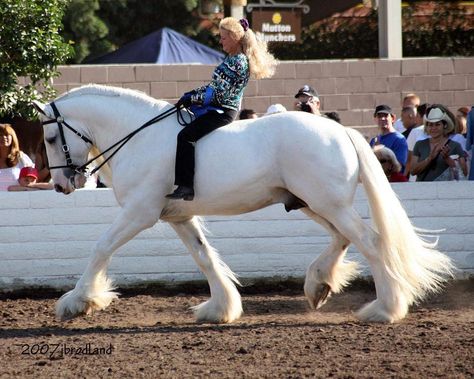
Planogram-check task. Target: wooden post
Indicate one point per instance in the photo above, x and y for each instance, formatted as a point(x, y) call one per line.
point(235, 8)
point(390, 29)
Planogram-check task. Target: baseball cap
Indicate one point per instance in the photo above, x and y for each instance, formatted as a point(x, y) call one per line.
point(308, 91)
point(29, 171)
point(382, 109)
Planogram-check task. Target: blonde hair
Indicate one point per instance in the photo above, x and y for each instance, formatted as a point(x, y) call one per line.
point(413, 98)
point(262, 64)
point(383, 152)
point(14, 155)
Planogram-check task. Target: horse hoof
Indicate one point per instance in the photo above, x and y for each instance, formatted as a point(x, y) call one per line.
point(322, 295)
point(69, 315)
point(214, 313)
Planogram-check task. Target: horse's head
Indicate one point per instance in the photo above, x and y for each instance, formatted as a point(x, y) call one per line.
point(67, 145)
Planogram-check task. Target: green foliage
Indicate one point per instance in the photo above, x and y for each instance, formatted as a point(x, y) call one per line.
point(325, 40)
point(30, 46)
point(445, 33)
point(100, 26)
point(85, 28)
point(122, 21)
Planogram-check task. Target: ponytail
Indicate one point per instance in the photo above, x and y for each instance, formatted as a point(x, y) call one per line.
point(262, 63)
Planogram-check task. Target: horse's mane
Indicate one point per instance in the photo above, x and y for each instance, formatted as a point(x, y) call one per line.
point(100, 90)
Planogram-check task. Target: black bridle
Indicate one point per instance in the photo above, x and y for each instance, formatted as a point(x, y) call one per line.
point(64, 146)
point(118, 145)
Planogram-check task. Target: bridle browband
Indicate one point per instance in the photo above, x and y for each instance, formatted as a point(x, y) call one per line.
point(118, 145)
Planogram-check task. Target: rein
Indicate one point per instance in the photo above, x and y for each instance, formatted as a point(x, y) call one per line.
point(118, 145)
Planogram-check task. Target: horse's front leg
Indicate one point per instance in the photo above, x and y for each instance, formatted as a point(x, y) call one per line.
point(94, 291)
point(225, 304)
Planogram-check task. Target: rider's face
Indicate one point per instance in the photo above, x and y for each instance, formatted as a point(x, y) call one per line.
point(229, 44)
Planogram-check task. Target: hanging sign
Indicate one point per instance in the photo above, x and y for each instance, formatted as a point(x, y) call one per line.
point(277, 26)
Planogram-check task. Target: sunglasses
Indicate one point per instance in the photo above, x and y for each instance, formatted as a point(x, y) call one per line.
point(382, 161)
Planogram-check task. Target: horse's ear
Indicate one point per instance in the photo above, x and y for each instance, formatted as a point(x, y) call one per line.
point(40, 107)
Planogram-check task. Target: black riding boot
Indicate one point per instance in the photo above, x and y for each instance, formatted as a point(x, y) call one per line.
point(182, 192)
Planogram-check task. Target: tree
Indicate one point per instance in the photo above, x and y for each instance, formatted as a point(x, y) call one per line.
point(30, 46)
point(88, 31)
point(100, 26)
point(128, 20)
point(445, 31)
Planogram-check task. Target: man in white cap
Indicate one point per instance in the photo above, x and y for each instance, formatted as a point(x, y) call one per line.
point(308, 100)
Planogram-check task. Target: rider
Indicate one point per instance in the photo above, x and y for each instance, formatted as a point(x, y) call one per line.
point(217, 104)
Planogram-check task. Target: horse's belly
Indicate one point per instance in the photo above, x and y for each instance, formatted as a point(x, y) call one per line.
point(234, 204)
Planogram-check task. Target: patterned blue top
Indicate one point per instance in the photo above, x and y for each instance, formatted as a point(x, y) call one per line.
point(228, 83)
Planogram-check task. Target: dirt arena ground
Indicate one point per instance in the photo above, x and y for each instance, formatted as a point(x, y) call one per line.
point(151, 335)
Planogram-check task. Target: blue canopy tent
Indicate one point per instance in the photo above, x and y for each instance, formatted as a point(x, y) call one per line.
point(163, 46)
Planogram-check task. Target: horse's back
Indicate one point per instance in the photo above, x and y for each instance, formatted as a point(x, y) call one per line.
point(295, 151)
point(279, 142)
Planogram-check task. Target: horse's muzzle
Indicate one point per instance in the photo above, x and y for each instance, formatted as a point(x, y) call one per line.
point(59, 188)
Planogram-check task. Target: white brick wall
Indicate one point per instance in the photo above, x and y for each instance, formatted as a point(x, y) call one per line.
point(46, 238)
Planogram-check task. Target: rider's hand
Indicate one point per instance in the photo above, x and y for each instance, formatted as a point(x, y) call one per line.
point(184, 101)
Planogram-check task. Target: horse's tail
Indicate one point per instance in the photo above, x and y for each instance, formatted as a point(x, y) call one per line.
point(415, 264)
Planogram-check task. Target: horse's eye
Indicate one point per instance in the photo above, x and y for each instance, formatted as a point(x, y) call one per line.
point(50, 140)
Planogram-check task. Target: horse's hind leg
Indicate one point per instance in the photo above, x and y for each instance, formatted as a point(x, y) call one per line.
point(225, 304)
point(94, 291)
point(391, 303)
point(328, 272)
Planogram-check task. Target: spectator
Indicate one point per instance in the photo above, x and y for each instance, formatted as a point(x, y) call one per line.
point(470, 140)
point(388, 136)
point(454, 135)
point(410, 100)
point(275, 108)
point(28, 181)
point(409, 120)
point(333, 116)
point(390, 165)
point(41, 164)
point(247, 113)
point(434, 158)
point(416, 134)
point(12, 160)
point(461, 117)
point(308, 100)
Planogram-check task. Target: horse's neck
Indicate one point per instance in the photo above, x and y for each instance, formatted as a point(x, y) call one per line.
point(114, 120)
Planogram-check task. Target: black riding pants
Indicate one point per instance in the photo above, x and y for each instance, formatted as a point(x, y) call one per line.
point(184, 169)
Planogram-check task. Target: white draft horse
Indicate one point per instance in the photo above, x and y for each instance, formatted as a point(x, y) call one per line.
point(295, 158)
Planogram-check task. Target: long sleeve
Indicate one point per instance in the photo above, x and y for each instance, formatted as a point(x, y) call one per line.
point(228, 83)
